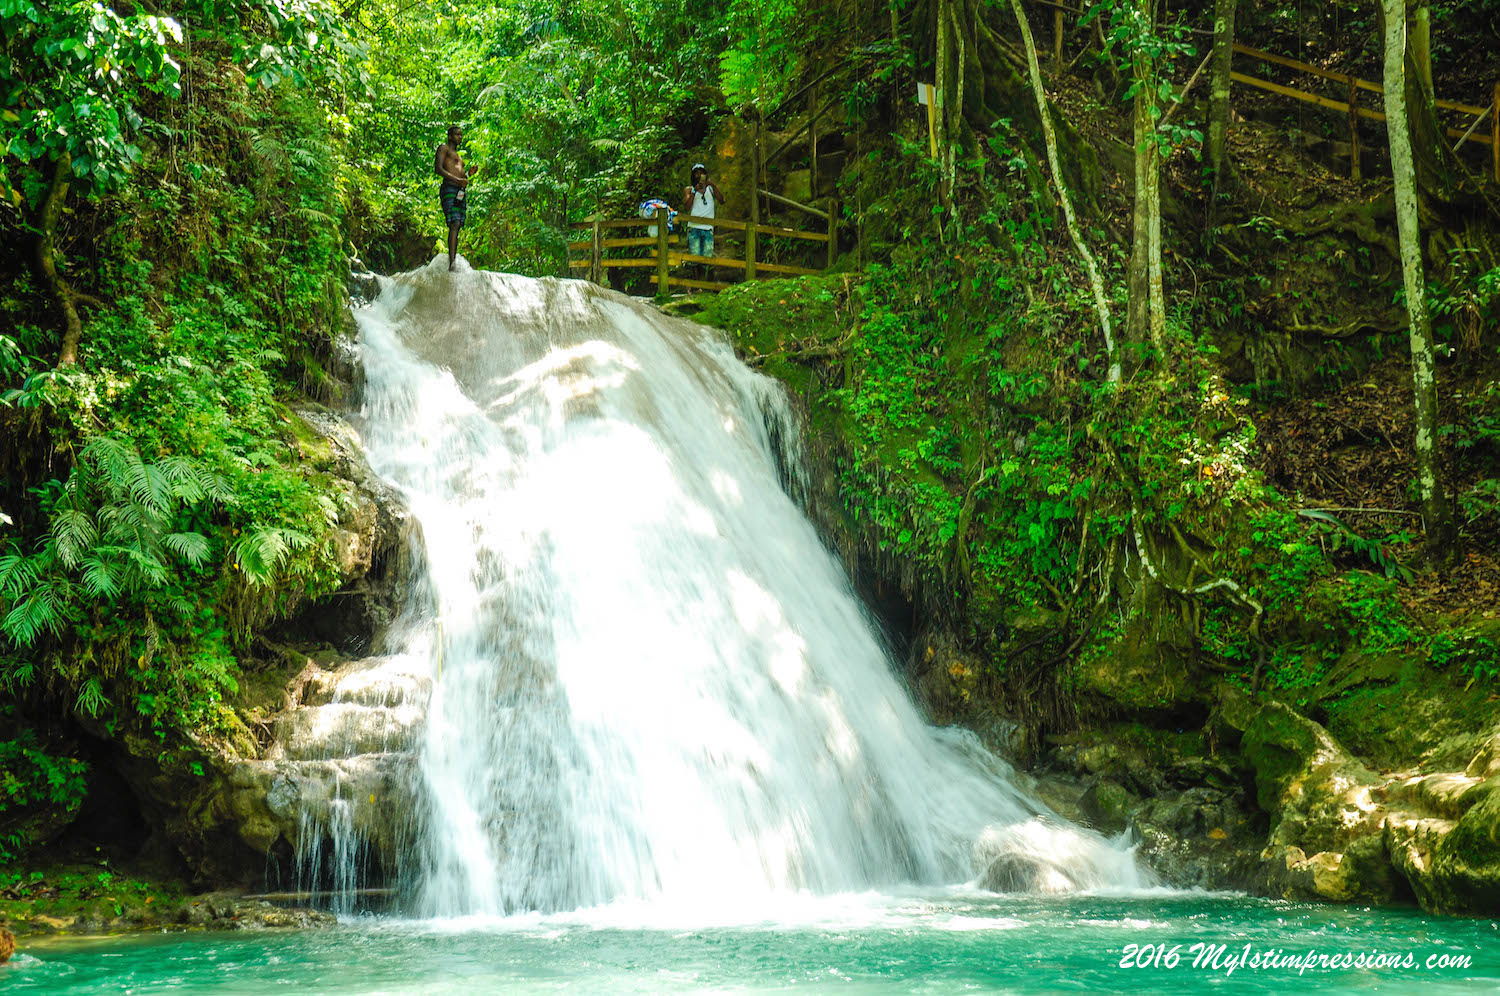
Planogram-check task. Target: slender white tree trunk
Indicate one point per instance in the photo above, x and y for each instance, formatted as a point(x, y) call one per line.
point(1147, 309)
point(1218, 102)
point(1101, 300)
point(1218, 94)
point(1439, 521)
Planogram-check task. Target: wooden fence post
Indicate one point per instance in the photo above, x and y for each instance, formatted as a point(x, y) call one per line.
point(1353, 103)
point(833, 231)
point(596, 264)
point(1495, 133)
point(750, 248)
point(662, 289)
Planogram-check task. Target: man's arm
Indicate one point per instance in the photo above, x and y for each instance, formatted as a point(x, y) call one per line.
point(687, 204)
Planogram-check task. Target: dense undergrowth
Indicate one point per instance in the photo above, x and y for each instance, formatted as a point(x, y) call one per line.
point(956, 386)
point(152, 515)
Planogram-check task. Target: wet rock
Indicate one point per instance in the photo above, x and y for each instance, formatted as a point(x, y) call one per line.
point(1108, 805)
point(1061, 793)
point(373, 539)
point(1328, 816)
point(227, 910)
point(1189, 810)
point(1024, 873)
point(7, 945)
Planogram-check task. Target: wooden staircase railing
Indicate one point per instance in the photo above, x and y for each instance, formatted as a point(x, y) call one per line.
point(665, 257)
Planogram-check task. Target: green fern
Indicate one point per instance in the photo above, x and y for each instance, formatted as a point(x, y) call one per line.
point(261, 552)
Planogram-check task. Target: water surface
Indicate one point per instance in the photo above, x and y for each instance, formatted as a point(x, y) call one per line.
point(947, 943)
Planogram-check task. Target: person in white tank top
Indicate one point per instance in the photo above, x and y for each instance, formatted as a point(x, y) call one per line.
point(701, 199)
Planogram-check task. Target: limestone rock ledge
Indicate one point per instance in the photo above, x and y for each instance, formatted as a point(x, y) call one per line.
point(1343, 832)
point(215, 911)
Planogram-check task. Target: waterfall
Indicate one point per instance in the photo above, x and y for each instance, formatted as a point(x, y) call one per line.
point(650, 680)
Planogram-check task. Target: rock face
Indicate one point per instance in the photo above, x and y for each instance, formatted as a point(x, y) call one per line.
point(1445, 837)
point(1327, 808)
point(1343, 832)
point(340, 769)
point(373, 539)
point(1189, 809)
point(1266, 800)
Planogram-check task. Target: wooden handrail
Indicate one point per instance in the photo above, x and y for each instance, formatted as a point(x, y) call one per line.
point(665, 257)
point(1336, 105)
point(1350, 106)
point(1345, 78)
point(1306, 67)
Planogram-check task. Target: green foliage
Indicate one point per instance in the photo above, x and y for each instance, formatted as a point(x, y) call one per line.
point(31, 780)
point(1475, 657)
point(1339, 536)
point(71, 74)
point(1145, 47)
point(760, 61)
point(566, 112)
point(178, 519)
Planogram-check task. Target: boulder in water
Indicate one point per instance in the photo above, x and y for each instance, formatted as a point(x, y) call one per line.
point(1045, 855)
point(7, 945)
point(1025, 873)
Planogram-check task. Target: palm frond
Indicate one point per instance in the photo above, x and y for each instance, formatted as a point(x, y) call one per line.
point(100, 578)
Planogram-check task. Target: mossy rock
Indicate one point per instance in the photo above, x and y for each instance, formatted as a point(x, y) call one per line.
point(1465, 871)
point(1397, 710)
point(1141, 675)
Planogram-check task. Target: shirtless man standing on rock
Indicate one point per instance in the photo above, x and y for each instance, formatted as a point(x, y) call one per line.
point(454, 192)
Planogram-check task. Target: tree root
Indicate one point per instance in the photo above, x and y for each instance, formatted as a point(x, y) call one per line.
point(1188, 589)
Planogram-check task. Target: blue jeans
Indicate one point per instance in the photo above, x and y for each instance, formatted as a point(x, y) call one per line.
point(700, 241)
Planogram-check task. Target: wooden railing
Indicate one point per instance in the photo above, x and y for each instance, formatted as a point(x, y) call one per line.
point(664, 257)
point(1351, 108)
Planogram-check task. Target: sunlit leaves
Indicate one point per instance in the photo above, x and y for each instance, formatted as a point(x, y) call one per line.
point(72, 72)
point(761, 59)
point(261, 552)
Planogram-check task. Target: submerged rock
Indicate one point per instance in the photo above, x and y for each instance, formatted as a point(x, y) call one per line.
point(1044, 855)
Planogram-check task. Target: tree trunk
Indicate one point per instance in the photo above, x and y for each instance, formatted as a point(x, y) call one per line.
point(1218, 98)
point(1147, 311)
point(1435, 510)
point(952, 52)
point(1101, 301)
point(46, 260)
point(1137, 302)
point(1441, 176)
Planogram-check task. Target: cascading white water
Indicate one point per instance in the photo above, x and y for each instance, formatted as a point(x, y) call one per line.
point(652, 681)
